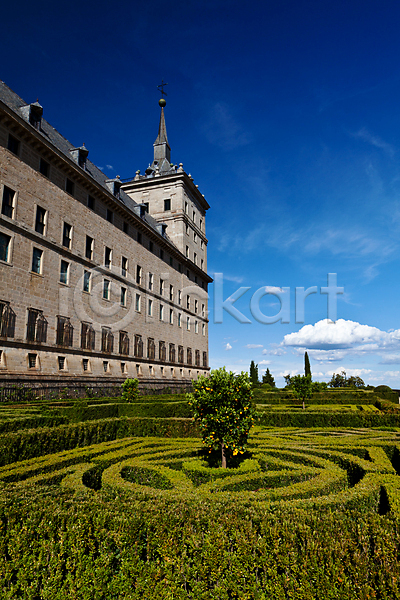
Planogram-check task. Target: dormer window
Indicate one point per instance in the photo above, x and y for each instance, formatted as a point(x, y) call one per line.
point(80, 155)
point(114, 185)
point(35, 115)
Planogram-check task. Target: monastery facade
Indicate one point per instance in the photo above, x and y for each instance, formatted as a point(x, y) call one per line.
point(100, 279)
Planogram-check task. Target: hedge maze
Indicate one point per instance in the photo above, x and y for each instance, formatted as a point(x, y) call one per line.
point(103, 500)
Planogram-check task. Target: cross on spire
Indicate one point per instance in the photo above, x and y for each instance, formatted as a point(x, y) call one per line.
point(161, 88)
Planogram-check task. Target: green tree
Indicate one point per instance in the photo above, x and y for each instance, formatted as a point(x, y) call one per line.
point(130, 390)
point(288, 380)
point(338, 380)
point(307, 367)
point(302, 387)
point(253, 373)
point(355, 381)
point(268, 378)
point(222, 405)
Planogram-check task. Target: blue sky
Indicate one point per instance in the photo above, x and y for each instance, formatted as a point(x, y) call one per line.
point(287, 116)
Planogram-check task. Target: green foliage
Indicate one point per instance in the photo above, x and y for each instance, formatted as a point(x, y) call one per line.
point(307, 367)
point(130, 390)
point(340, 380)
point(253, 373)
point(268, 378)
point(222, 406)
point(319, 386)
point(302, 387)
point(386, 393)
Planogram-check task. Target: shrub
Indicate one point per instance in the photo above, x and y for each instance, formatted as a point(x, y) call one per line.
point(130, 390)
point(222, 405)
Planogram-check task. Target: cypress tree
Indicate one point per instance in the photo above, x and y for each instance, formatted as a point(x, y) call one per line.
point(253, 373)
point(268, 378)
point(307, 367)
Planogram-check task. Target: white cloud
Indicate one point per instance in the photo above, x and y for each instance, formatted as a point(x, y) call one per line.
point(228, 346)
point(264, 362)
point(329, 335)
point(254, 346)
point(110, 167)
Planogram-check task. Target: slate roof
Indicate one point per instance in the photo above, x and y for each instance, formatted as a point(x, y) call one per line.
point(17, 104)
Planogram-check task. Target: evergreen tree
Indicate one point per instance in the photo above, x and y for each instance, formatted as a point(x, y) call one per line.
point(253, 373)
point(307, 367)
point(268, 378)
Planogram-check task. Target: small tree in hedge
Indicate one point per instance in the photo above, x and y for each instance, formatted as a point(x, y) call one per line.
point(268, 378)
point(253, 373)
point(302, 387)
point(222, 406)
point(130, 390)
point(307, 366)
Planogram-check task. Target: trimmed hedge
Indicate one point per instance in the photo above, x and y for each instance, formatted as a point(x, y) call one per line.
point(307, 418)
point(332, 396)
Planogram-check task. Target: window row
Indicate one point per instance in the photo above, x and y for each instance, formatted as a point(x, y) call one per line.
point(37, 325)
point(8, 206)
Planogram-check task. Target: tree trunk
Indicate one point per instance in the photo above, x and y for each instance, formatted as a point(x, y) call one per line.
point(223, 452)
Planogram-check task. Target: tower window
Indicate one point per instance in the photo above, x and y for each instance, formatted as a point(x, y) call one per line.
point(67, 235)
point(5, 243)
point(40, 221)
point(109, 215)
point(106, 289)
point(13, 144)
point(37, 260)
point(90, 202)
point(167, 204)
point(44, 167)
point(69, 186)
point(64, 269)
point(89, 247)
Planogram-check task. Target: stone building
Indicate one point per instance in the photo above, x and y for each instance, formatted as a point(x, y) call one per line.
point(100, 279)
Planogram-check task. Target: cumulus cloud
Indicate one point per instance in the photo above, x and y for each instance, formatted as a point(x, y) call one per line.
point(254, 346)
point(264, 362)
point(341, 334)
point(228, 346)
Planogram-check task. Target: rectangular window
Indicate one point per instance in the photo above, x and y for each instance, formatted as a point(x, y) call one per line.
point(172, 353)
point(195, 258)
point(161, 287)
point(150, 308)
point(123, 343)
point(195, 238)
point(137, 302)
point(188, 302)
point(171, 316)
point(125, 227)
point(37, 260)
point(40, 221)
point(107, 258)
point(123, 367)
point(86, 281)
point(65, 332)
point(67, 235)
point(151, 277)
point(196, 305)
point(201, 224)
point(204, 359)
point(151, 246)
point(88, 336)
point(194, 217)
point(162, 254)
point(179, 320)
point(107, 340)
point(5, 243)
point(89, 247)
point(203, 329)
point(161, 312)
point(32, 358)
point(139, 237)
point(69, 186)
point(13, 144)
point(124, 266)
point(123, 296)
point(188, 323)
point(7, 205)
point(201, 244)
point(36, 330)
point(7, 320)
point(138, 274)
point(197, 358)
point(203, 310)
point(90, 202)
point(61, 363)
point(186, 208)
point(171, 293)
point(85, 364)
point(202, 264)
point(106, 366)
point(106, 289)
point(64, 268)
point(189, 356)
point(187, 251)
point(44, 167)
point(138, 349)
point(196, 327)
point(187, 229)
point(109, 215)
point(167, 204)
point(179, 297)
